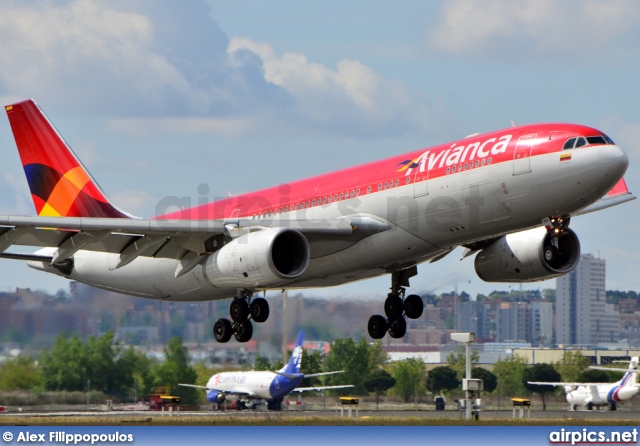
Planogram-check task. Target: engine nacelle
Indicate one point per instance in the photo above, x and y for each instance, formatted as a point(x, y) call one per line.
point(262, 258)
point(528, 256)
point(213, 396)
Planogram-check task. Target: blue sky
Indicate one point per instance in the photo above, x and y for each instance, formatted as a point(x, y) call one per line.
point(158, 97)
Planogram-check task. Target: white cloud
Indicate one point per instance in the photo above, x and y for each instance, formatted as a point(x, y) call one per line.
point(351, 99)
point(568, 30)
point(166, 64)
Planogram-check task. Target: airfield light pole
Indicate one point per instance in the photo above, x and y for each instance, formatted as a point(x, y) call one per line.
point(468, 339)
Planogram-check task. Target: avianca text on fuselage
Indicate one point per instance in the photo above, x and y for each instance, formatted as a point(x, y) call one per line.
point(457, 154)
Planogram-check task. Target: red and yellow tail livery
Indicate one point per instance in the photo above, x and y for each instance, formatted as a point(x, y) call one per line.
point(60, 185)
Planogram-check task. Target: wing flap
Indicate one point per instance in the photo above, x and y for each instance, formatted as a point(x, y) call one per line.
point(132, 238)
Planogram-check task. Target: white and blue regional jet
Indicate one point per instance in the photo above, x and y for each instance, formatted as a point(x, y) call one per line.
point(263, 385)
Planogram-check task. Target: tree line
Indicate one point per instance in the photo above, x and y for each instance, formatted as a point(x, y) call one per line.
point(104, 364)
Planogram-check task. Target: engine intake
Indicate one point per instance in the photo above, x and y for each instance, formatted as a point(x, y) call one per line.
point(265, 258)
point(528, 256)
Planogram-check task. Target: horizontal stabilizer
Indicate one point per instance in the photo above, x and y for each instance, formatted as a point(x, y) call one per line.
point(323, 374)
point(308, 389)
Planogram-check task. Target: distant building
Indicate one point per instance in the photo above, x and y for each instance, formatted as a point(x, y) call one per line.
point(541, 323)
point(582, 315)
point(473, 317)
point(513, 322)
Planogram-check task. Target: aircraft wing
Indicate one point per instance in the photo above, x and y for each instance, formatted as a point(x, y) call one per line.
point(184, 240)
point(305, 389)
point(610, 369)
point(617, 195)
point(539, 383)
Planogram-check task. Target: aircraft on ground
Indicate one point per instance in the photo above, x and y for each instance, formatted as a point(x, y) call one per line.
point(270, 386)
point(592, 395)
point(507, 195)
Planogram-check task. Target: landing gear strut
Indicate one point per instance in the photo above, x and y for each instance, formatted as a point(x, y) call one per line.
point(396, 307)
point(553, 253)
point(242, 310)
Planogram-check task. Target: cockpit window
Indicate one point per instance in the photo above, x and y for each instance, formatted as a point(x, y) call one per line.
point(569, 144)
point(596, 140)
point(580, 141)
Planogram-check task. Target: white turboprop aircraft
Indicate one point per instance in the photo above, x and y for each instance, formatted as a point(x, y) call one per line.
point(507, 195)
point(592, 395)
point(263, 385)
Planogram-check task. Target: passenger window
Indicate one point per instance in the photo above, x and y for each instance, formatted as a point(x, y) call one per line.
point(352, 194)
point(397, 182)
point(330, 197)
point(448, 170)
point(286, 208)
point(313, 203)
point(303, 205)
point(335, 197)
point(341, 196)
point(368, 189)
point(308, 204)
point(483, 162)
point(380, 186)
point(489, 160)
point(357, 192)
point(386, 185)
point(569, 144)
point(581, 142)
point(477, 163)
point(324, 200)
point(408, 180)
point(453, 169)
point(298, 207)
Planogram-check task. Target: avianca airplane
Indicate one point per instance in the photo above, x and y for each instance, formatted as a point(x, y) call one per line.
point(508, 196)
point(601, 394)
point(270, 386)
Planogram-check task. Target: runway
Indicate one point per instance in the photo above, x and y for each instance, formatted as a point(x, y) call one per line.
point(627, 416)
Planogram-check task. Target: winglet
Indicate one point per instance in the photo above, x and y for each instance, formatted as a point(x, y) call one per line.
point(60, 185)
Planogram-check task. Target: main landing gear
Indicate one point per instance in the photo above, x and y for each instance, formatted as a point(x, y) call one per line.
point(396, 307)
point(553, 252)
point(243, 309)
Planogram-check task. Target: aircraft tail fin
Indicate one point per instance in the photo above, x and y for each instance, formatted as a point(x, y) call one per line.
point(293, 366)
point(60, 185)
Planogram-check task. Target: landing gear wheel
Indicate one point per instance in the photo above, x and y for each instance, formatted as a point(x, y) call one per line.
point(413, 306)
point(239, 310)
point(393, 306)
point(244, 332)
point(613, 407)
point(222, 330)
point(590, 406)
point(398, 328)
point(259, 309)
point(377, 327)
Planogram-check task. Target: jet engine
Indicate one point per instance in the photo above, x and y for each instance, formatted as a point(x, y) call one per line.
point(528, 256)
point(262, 258)
point(213, 396)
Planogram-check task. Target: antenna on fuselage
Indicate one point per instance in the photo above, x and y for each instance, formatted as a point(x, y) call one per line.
point(513, 124)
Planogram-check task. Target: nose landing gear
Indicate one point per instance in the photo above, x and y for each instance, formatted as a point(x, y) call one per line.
point(242, 311)
point(396, 307)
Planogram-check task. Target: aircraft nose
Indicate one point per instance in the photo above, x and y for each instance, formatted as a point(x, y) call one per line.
point(613, 161)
